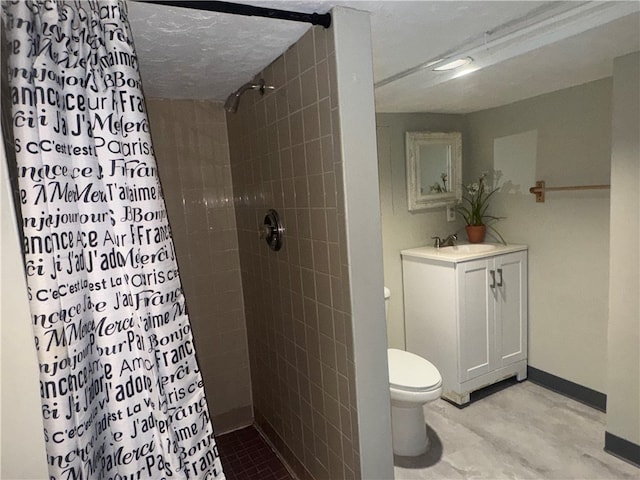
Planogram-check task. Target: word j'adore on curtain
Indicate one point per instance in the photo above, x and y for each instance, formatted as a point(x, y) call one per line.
point(122, 394)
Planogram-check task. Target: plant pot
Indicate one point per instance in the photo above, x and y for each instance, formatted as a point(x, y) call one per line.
point(476, 233)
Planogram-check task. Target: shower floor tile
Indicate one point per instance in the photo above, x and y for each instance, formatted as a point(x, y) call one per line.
point(246, 456)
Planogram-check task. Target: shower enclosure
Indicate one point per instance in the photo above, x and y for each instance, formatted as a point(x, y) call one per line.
point(315, 337)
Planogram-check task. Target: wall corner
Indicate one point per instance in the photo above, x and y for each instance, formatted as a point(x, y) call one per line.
point(364, 239)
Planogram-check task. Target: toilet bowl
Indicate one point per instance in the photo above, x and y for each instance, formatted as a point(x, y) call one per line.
point(413, 382)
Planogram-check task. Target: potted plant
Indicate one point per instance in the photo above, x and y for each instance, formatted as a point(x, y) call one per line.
point(475, 202)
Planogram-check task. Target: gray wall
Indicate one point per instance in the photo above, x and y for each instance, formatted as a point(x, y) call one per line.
point(623, 388)
point(568, 234)
point(22, 448)
point(354, 75)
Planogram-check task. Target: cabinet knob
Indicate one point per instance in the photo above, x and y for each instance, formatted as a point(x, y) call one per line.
point(500, 274)
point(493, 278)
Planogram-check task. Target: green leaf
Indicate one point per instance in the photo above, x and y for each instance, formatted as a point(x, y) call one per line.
point(497, 233)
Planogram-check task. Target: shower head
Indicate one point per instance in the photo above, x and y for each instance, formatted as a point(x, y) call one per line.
point(233, 100)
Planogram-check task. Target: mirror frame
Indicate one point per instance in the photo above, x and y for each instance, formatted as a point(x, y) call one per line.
point(414, 140)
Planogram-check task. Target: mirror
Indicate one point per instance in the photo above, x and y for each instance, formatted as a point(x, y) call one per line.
point(434, 169)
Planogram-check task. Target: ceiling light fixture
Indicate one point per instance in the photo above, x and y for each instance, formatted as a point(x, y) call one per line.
point(548, 23)
point(453, 64)
point(465, 71)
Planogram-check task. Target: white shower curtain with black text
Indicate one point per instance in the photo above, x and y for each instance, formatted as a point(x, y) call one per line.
point(122, 394)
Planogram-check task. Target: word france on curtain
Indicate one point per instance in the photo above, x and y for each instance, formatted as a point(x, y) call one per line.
point(122, 393)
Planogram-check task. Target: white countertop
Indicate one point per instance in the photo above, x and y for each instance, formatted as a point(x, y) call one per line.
point(462, 252)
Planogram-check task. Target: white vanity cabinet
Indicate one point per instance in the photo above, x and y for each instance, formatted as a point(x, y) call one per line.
point(466, 312)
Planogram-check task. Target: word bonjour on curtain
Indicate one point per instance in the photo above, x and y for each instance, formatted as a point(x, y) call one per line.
point(122, 393)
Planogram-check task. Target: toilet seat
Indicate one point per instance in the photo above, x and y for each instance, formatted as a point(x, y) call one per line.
point(412, 373)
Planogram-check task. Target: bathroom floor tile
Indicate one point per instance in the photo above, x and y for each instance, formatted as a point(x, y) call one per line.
point(524, 431)
point(246, 456)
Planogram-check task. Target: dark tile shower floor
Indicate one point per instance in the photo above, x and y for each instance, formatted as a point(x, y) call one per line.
point(246, 456)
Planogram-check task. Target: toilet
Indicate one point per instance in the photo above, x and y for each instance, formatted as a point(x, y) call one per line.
point(413, 382)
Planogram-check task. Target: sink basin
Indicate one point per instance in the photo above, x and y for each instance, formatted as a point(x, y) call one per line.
point(469, 248)
point(460, 253)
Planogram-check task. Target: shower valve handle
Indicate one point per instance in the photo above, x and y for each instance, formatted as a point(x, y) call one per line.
point(272, 230)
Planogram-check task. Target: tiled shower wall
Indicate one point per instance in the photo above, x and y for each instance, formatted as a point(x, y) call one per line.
point(285, 154)
point(190, 143)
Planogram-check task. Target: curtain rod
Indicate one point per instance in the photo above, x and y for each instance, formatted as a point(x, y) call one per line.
point(323, 19)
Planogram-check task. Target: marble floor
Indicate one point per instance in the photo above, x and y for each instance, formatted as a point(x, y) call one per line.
point(523, 431)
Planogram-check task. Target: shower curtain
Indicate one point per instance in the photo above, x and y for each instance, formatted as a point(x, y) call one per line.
point(122, 394)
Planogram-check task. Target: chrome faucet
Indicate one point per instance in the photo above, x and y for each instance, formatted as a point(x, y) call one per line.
point(450, 241)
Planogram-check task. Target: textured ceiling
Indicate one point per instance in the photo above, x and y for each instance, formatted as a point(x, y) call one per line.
point(188, 53)
point(194, 54)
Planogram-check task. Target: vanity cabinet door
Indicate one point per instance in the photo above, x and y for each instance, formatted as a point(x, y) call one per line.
point(492, 314)
point(511, 307)
point(476, 310)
